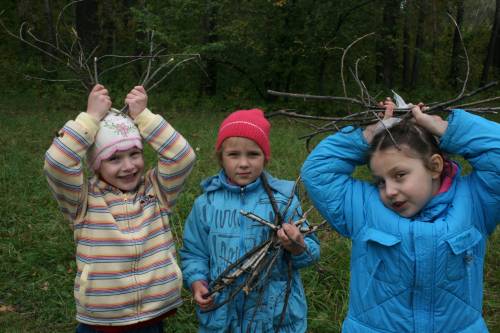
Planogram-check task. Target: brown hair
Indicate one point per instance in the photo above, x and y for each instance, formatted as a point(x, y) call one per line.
point(409, 137)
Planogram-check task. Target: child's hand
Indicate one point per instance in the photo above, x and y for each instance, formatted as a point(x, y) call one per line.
point(387, 117)
point(291, 238)
point(434, 124)
point(99, 102)
point(137, 101)
point(199, 288)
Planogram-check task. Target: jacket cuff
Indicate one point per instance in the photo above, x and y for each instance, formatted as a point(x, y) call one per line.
point(301, 260)
point(89, 124)
point(144, 118)
point(193, 278)
point(447, 141)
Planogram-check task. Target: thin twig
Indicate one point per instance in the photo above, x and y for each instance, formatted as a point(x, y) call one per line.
point(343, 59)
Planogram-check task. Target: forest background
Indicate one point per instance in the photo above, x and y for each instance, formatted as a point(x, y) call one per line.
point(244, 49)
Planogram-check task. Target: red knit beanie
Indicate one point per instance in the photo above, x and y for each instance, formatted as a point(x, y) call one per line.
point(250, 124)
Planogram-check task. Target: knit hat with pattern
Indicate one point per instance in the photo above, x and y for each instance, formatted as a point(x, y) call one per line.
point(250, 124)
point(117, 132)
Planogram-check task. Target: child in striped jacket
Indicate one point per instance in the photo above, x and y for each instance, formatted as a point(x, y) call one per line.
point(128, 278)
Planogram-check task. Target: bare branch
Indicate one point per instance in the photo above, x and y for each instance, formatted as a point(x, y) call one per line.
point(343, 59)
point(464, 86)
point(318, 97)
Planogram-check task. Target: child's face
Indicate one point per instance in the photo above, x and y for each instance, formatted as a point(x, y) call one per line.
point(242, 160)
point(405, 184)
point(123, 169)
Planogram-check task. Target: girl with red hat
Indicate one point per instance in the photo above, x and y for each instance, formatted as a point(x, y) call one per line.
point(216, 235)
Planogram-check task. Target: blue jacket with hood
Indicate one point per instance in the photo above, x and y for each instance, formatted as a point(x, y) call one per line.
point(419, 274)
point(216, 235)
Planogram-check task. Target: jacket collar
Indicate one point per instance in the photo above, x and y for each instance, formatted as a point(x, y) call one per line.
point(219, 181)
point(439, 204)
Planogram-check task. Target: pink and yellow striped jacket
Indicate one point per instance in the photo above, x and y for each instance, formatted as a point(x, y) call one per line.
point(125, 251)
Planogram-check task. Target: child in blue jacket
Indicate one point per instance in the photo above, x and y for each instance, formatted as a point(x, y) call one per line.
point(217, 235)
point(419, 231)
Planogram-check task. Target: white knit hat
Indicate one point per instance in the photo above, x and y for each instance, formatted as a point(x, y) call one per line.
point(117, 132)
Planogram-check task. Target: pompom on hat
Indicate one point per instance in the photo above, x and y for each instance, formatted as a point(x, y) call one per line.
point(117, 132)
point(250, 124)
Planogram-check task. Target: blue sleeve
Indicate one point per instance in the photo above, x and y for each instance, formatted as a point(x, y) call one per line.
point(312, 252)
point(326, 174)
point(194, 253)
point(478, 140)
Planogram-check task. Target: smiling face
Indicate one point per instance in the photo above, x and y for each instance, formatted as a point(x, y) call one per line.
point(123, 169)
point(405, 183)
point(242, 160)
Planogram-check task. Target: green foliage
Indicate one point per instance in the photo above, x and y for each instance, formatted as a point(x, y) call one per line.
point(247, 48)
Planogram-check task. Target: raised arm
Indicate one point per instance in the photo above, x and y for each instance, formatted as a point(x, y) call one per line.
point(176, 157)
point(326, 174)
point(478, 140)
point(63, 160)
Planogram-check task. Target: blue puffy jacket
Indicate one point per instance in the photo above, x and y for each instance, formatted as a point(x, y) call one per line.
point(216, 234)
point(420, 274)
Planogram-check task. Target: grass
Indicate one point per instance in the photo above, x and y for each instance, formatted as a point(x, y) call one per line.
point(36, 244)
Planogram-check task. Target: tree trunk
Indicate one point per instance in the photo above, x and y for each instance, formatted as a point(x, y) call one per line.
point(406, 44)
point(455, 60)
point(493, 55)
point(209, 82)
point(51, 37)
point(386, 44)
point(321, 73)
point(50, 24)
point(419, 43)
point(87, 25)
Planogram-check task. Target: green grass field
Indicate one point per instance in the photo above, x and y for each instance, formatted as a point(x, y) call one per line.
point(36, 244)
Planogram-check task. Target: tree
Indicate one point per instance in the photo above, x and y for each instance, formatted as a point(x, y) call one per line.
point(493, 53)
point(209, 82)
point(386, 44)
point(86, 21)
point(406, 43)
point(457, 45)
point(419, 43)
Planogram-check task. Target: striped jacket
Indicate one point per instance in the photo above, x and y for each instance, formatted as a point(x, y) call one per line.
point(125, 252)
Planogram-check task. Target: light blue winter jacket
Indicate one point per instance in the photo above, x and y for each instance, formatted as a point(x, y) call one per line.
point(216, 234)
point(423, 274)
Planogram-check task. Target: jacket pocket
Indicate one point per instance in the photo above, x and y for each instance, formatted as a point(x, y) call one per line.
point(83, 283)
point(383, 255)
point(464, 253)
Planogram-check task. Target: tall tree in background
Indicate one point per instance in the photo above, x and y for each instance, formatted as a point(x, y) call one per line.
point(457, 45)
point(493, 53)
point(419, 43)
point(50, 22)
point(406, 69)
point(87, 25)
point(386, 44)
point(209, 82)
